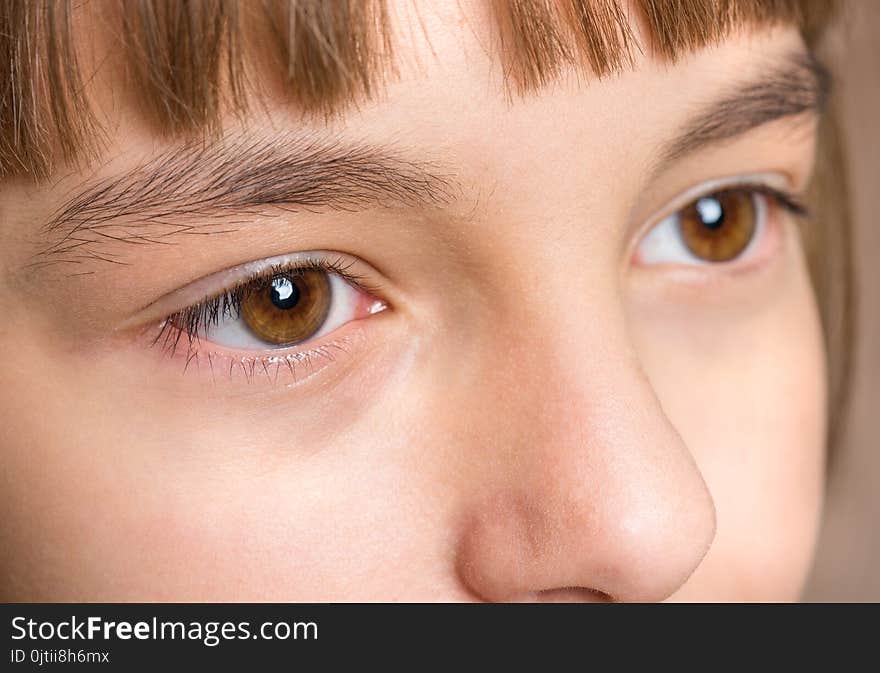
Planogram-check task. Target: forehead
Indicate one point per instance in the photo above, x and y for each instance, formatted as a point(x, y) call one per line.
point(184, 66)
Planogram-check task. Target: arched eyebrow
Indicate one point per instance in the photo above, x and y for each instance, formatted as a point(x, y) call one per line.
point(801, 84)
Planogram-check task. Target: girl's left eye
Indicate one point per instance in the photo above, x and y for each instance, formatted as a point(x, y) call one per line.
point(715, 228)
point(283, 308)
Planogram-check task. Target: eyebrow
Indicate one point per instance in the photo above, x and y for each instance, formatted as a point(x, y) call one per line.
point(201, 188)
point(800, 84)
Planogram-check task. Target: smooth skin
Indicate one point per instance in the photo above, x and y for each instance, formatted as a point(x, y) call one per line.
point(533, 417)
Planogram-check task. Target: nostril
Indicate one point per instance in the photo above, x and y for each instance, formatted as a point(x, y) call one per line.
point(571, 595)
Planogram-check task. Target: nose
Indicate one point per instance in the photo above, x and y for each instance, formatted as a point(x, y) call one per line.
point(585, 491)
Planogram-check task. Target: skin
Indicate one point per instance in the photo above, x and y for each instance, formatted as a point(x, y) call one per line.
point(533, 417)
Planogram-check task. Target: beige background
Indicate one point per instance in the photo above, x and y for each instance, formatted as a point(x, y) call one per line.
point(848, 562)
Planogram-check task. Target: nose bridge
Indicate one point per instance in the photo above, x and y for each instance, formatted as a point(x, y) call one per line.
point(588, 485)
point(566, 376)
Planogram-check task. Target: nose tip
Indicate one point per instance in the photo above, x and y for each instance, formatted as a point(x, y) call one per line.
point(633, 539)
point(649, 548)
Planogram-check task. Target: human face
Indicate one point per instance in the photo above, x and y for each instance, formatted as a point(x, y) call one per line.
point(530, 389)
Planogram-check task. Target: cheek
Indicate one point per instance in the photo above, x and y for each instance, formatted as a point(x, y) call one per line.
point(143, 502)
point(140, 503)
point(741, 375)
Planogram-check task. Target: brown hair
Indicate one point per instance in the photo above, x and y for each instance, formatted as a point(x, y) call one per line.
point(195, 59)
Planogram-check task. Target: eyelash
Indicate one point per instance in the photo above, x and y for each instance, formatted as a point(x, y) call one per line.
point(190, 321)
point(788, 200)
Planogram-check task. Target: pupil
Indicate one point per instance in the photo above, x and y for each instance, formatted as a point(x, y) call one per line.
point(285, 293)
point(711, 213)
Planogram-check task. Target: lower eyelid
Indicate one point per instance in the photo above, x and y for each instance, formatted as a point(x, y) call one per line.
point(293, 365)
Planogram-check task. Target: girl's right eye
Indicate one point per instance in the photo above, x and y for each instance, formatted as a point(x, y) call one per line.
point(289, 308)
point(285, 306)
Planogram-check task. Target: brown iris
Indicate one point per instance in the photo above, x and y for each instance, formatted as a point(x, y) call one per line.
point(289, 308)
point(718, 227)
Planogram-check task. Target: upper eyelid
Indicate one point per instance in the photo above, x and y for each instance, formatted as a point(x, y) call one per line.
point(216, 284)
point(776, 182)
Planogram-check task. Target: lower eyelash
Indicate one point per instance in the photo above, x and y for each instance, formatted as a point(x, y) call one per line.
point(270, 367)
